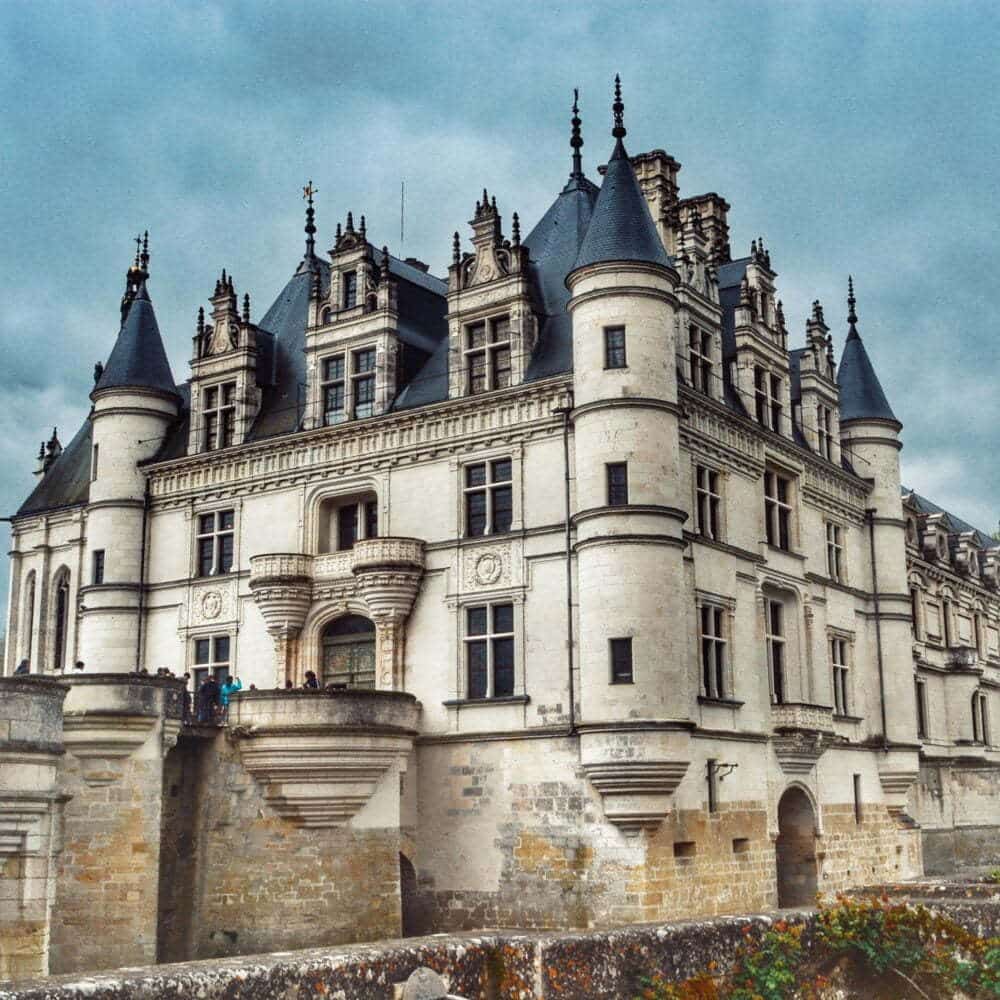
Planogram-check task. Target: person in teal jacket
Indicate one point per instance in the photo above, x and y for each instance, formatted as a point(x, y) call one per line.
point(232, 685)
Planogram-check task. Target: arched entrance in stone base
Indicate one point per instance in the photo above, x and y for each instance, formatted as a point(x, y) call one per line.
point(408, 897)
point(795, 849)
point(348, 652)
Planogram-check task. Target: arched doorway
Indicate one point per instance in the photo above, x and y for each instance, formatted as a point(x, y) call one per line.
point(349, 653)
point(408, 897)
point(795, 850)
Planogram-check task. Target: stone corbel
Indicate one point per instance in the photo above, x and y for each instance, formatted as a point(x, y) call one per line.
point(102, 742)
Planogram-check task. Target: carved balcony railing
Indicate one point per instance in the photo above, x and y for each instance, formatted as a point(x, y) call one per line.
point(368, 554)
point(802, 733)
point(962, 657)
point(802, 715)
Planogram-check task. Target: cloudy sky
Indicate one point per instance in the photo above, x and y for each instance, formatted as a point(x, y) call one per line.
point(859, 138)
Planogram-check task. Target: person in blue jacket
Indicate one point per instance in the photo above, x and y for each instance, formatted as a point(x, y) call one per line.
point(232, 685)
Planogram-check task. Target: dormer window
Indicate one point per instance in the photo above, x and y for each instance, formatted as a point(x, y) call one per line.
point(767, 398)
point(911, 530)
point(942, 548)
point(350, 283)
point(487, 354)
point(824, 425)
point(363, 382)
point(700, 359)
point(219, 416)
point(332, 389)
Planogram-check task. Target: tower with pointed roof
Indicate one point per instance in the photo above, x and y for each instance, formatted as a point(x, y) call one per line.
point(135, 401)
point(628, 514)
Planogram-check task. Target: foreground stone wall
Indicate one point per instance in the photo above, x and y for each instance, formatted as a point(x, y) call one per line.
point(494, 966)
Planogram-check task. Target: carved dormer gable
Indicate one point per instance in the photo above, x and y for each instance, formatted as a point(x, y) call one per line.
point(966, 550)
point(226, 378)
point(762, 370)
point(934, 539)
point(819, 396)
point(352, 342)
point(491, 322)
point(991, 568)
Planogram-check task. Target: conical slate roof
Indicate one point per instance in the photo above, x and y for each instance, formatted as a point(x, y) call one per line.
point(621, 228)
point(138, 359)
point(861, 395)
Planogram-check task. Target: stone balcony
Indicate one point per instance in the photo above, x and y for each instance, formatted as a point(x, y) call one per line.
point(367, 555)
point(962, 658)
point(802, 733)
point(324, 756)
point(802, 716)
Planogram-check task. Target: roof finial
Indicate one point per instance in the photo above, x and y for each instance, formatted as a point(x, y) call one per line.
point(246, 308)
point(138, 250)
point(144, 256)
point(456, 248)
point(350, 222)
point(852, 316)
point(307, 192)
point(363, 231)
point(619, 110)
point(516, 230)
point(384, 264)
point(576, 140)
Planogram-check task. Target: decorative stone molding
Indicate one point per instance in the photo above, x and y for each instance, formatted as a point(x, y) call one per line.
point(321, 755)
point(635, 767)
point(799, 750)
point(898, 770)
point(802, 716)
point(100, 741)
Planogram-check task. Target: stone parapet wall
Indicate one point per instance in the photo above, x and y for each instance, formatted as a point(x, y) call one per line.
point(508, 965)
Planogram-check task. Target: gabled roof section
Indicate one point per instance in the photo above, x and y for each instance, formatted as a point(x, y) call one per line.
point(138, 360)
point(861, 395)
point(621, 228)
point(67, 483)
point(924, 506)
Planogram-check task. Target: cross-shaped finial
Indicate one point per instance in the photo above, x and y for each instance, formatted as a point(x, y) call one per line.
point(308, 191)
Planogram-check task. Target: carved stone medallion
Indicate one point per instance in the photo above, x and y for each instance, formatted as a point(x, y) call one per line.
point(489, 566)
point(211, 604)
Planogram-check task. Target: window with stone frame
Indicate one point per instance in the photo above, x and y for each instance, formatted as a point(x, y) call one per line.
point(210, 656)
point(487, 354)
point(620, 651)
point(713, 651)
point(767, 398)
point(355, 521)
point(94, 459)
point(60, 620)
point(333, 389)
point(218, 409)
point(824, 431)
point(778, 510)
point(349, 281)
point(834, 551)
point(97, 567)
point(614, 347)
point(617, 481)
point(980, 718)
point(947, 625)
point(488, 497)
point(708, 502)
point(489, 650)
point(363, 382)
point(917, 622)
point(841, 667)
point(776, 642)
point(214, 543)
point(700, 359)
point(920, 692)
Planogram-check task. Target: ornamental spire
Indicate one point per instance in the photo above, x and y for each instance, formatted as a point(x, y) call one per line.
point(619, 110)
point(307, 193)
point(852, 316)
point(576, 140)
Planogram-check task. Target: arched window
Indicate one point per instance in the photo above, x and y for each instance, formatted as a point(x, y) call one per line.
point(61, 619)
point(29, 616)
point(349, 652)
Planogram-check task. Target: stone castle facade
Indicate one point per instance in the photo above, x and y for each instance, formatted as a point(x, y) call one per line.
point(620, 609)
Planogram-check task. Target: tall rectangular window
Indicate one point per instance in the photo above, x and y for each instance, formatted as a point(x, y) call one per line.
point(824, 431)
point(834, 551)
point(350, 279)
point(363, 381)
point(841, 675)
point(347, 527)
point(713, 652)
point(977, 634)
point(218, 408)
point(777, 510)
point(489, 650)
point(215, 543)
point(946, 618)
point(621, 661)
point(614, 347)
point(775, 404)
point(487, 355)
point(920, 691)
point(489, 498)
point(767, 398)
point(918, 632)
point(708, 503)
point(97, 566)
point(617, 475)
point(857, 799)
point(332, 389)
point(774, 636)
point(95, 456)
point(211, 655)
point(700, 359)
point(980, 718)
point(371, 519)
point(760, 395)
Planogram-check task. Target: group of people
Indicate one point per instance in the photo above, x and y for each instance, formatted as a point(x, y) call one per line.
point(213, 699)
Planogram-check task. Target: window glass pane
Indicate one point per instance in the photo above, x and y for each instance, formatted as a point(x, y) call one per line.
point(350, 289)
point(371, 519)
point(477, 668)
point(225, 553)
point(500, 329)
point(503, 667)
point(333, 402)
point(226, 520)
point(503, 618)
point(205, 547)
point(364, 361)
point(503, 509)
point(476, 621)
point(333, 368)
point(221, 649)
point(617, 473)
point(201, 650)
point(347, 527)
point(364, 396)
point(475, 475)
point(775, 608)
point(477, 372)
point(500, 470)
point(475, 335)
point(206, 524)
point(475, 514)
point(621, 661)
point(221, 675)
point(211, 398)
point(229, 394)
point(501, 367)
